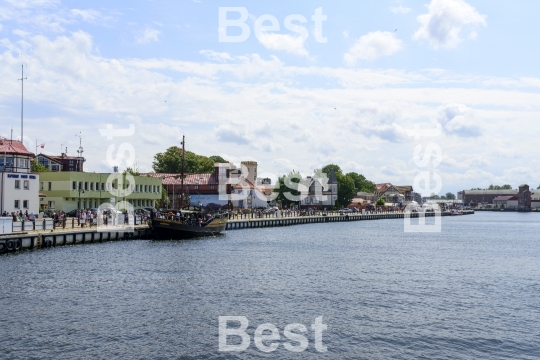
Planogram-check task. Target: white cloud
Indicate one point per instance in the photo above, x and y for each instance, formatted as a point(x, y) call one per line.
point(148, 35)
point(455, 120)
point(372, 46)
point(400, 9)
point(32, 3)
point(260, 107)
point(86, 15)
point(21, 33)
point(216, 56)
point(346, 34)
point(283, 42)
point(445, 20)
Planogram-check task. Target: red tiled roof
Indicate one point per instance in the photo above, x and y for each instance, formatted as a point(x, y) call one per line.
point(61, 157)
point(190, 179)
point(13, 147)
point(381, 188)
point(504, 198)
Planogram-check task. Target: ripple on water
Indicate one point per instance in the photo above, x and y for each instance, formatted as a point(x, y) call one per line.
point(469, 292)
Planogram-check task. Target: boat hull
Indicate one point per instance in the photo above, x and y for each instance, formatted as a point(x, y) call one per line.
point(176, 230)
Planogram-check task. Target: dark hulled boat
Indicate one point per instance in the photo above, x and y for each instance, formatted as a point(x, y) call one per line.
point(171, 228)
point(190, 222)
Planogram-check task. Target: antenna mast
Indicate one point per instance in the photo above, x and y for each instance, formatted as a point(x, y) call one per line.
point(182, 172)
point(22, 100)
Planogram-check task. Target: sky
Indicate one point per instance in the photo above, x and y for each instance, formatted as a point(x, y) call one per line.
point(400, 91)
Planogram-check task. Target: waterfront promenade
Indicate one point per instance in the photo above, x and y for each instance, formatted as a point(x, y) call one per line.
point(75, 235)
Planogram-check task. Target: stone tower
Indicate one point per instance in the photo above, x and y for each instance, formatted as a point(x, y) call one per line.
point(251, 167)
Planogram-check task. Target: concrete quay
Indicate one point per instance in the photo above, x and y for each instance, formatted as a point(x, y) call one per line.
point(60, 237)
point(249, 223)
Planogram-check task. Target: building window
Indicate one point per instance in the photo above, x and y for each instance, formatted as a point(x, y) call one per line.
point(51, 204)
point(86, 185)
point(23, 163)
point(41, 185)
point(74, 185)
point(25, 204)
point(50, 186)
point(16, 204)
point(17, 184)
point(92, 186)
point(55, 168)
point(26, 184)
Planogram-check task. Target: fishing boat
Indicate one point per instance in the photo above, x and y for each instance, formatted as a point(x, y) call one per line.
point(187, 221)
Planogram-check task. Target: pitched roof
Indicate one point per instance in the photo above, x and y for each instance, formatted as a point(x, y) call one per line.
point(332, 178)
point(381, 188)
point(491, 192)
point(13, 147)
point(61, 157)
point(190, 179)
point(504, 198)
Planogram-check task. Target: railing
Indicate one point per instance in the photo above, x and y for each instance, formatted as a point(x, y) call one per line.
point(40, 224)
point(72, 223)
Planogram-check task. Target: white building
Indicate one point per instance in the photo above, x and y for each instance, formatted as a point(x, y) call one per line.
point(19, 188)
point(317, 195)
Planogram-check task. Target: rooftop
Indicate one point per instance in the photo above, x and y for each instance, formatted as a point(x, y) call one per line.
point(13, 147)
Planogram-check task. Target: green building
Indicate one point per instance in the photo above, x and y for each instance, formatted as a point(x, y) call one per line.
point(70, 190)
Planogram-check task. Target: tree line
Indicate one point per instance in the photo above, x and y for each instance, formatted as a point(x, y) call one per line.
point(348, 184)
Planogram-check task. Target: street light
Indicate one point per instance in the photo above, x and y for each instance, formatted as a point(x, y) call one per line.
point(80, 190)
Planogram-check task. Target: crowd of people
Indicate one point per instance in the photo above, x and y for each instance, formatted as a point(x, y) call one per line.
point(187, 218)
point(20, 216)
point(84, 218)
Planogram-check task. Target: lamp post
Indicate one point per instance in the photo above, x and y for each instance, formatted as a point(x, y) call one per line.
point(80, 190)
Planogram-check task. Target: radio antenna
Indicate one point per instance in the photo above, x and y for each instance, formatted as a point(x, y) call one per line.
point(22, 101)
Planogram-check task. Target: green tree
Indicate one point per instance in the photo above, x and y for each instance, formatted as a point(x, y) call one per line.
point(361, 183)
point(197, 164)
point(499, 187)
point(450, 196)
point(131, 172)
point(282, 188)
point(380, 202)
point(218, 159)
point(434, 196)
point(37, 167)
point(337, 170)
point(346, 189)
point(170, 161)
point(164, 202)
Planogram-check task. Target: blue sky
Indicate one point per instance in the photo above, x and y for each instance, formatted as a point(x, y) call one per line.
point(469, 67)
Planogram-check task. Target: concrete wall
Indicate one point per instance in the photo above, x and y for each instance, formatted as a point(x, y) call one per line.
point(9, 193)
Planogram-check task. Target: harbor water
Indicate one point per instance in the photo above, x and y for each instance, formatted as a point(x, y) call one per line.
point(469, 292)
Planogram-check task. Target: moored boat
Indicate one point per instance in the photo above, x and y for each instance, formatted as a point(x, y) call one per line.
point(186, 222)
